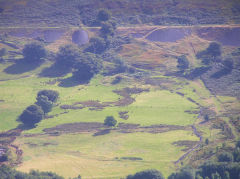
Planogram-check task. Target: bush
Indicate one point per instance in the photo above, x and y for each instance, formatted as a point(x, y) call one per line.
point(45, 103)
point(214, 49)
point(106, 29)
point(9, 173)
point(225, 157)
point(103, 15)
point(32, 115)
point(110, 121)
point(51, 94)
point(4, 158)
point(147, 174)
point(3, 52)
point(34, 52)
point(236, 155)
point(87, 66)
point(238, 142)
point(185, 173)
point(68, 55)
point(97, 45)
point(211, 54)
point(182, 62)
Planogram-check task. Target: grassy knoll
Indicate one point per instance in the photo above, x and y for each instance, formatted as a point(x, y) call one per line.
point(70, 155)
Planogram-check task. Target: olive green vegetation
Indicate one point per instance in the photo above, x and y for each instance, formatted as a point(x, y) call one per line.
point(109, 155)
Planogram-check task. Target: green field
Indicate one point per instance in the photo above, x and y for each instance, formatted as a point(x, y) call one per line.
point(101, 156)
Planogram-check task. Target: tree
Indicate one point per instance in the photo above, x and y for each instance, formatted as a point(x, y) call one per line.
point(68, 55)
point(45, 103)
point(51, 94)
point(216, 176)
point(32, 115)
point(103, 15)
point(238, 142)
point(97, 45)
point(87, 66)
point(107, 29)
point(225, 157)
point(210, 54)
point(206, 141)
point(3, 158)
point(10, 173)
point(199, 177)
point(226, 175)
point(214, 49)
point(147, 174)
point(33, 52)
point(3, 52)
point(182, 62)
point(110, 121)
point(185, 173)
point(206, 117)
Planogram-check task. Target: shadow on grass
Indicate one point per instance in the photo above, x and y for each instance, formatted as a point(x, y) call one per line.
point(25, 127)
point(71, 82)
point(56, 70)
point(23, 66)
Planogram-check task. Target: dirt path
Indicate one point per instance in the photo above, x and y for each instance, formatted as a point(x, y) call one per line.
point(192, 149)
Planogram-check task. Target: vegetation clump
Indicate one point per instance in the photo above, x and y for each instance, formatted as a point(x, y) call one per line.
point(211, 54)
point(103, 15)
point(3, 158)
point(32, 115)
point(67, 56)
point(34, 52)
point(9, 173)
point(86, 67)
point(50, 94)
point(110, 121)
point(97, 45)
point(183, 63)
point(36, 112)
point(225, 157)
point(146, 174)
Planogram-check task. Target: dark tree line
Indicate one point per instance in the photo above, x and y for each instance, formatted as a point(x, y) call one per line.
point(9, 173)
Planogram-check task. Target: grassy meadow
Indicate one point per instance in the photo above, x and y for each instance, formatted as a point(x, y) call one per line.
point(102, 156)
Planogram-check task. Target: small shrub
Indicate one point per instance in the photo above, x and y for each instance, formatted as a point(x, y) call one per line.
point(183, 62)
point(225, 157)
point(45, 103)
point(4, 158)
point(110, 121)
point(51, 94)
point(103, 15)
